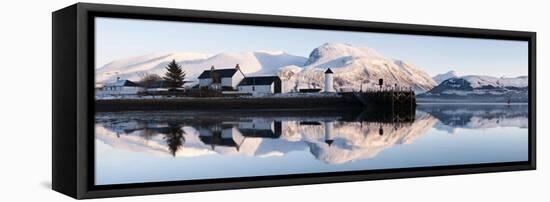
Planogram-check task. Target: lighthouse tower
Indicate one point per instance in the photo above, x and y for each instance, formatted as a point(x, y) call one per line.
point(328, 81)
point(329, 128)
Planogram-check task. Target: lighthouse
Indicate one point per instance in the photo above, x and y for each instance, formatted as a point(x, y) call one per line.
point(328, 81)
point(329, 128)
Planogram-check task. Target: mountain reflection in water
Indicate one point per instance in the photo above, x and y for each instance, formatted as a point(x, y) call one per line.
point(333, 137)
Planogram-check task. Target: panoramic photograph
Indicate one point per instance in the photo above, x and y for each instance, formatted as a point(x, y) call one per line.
point(178, 101)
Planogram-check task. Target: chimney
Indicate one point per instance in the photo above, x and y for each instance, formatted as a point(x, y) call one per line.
point(237, 67)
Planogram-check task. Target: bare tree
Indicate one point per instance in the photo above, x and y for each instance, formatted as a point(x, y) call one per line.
point(148, 79)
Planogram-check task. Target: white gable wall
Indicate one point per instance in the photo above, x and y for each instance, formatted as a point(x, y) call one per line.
point(226, 81)
point(236, 79)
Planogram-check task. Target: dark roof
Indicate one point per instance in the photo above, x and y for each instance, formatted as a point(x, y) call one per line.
point(122, 83)
point(328, 71)
point(261, 80)
point(263, 133)
point(212, 140)
point(220, 72)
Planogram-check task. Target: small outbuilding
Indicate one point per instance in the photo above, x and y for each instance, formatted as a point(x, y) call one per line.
point(121, 87)
point(260, 85)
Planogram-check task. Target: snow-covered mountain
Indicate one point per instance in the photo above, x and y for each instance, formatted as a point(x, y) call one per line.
point(481, 87)
point(252, 63)
point(442, 77)
point(353, 67)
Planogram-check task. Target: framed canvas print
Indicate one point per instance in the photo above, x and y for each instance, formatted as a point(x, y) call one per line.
point(154, 100)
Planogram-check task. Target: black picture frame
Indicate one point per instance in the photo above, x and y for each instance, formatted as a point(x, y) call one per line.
point(73, 99)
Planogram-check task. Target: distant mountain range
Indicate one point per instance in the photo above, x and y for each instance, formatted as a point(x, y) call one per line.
point(479, 88)
point(353, 67)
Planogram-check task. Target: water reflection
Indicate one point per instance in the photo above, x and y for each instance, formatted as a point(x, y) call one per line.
point(331, 136)
point(253, 143)
point(454, 117)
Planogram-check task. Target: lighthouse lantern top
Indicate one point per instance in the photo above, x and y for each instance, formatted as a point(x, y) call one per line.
point(328, 71)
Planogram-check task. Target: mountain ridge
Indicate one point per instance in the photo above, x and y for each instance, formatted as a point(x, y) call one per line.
point(442, 77)
point(481, 88)
point(354, 67)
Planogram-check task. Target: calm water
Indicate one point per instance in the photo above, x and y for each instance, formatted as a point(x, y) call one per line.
point(134, 147)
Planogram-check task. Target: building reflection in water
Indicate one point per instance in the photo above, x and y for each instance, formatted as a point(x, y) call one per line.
point(331, 137)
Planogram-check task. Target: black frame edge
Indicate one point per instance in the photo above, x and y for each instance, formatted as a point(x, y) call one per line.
point(64, 145)
point(533, 99)
point(173, 14)
point(220, 186)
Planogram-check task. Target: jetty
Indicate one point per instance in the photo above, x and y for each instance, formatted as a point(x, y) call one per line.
point(389, 100)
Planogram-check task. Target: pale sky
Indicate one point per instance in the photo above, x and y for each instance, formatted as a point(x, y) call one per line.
point(121, 38)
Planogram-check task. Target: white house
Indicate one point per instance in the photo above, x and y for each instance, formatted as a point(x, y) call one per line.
point(221, 79)
point(121, 87)
point(260, 85)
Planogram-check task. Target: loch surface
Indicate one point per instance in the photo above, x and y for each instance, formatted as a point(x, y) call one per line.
point(158, 146)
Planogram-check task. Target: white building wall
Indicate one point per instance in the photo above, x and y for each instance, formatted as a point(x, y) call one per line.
point(236, 79)
point(226, 81)
point(233, 133)
point(264, 125)
point(120, 90)
point(257, 89)
point(329, 83)
point(131, 90)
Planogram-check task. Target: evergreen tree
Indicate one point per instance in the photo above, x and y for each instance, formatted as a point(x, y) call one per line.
point(174, 138)
point(175, 75)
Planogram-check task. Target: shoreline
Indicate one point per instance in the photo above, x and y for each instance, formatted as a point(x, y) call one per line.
point(266, 104)
point(369, 101)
